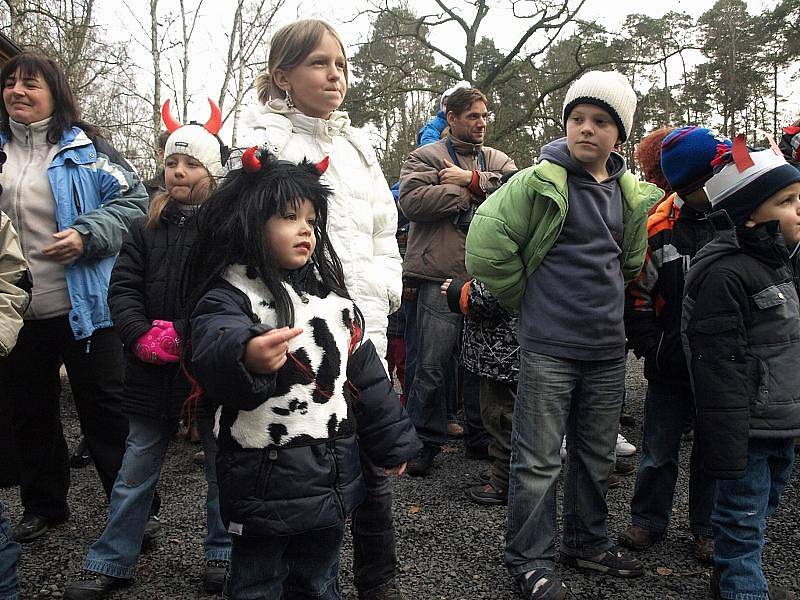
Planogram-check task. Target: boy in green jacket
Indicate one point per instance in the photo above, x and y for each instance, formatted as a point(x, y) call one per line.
point(557, 243)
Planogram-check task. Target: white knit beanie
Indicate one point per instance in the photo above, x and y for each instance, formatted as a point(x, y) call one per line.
point(196, 141)
point(443, 99)
point(609, 90)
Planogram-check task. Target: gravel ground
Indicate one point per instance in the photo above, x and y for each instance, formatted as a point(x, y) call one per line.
point(449, 548)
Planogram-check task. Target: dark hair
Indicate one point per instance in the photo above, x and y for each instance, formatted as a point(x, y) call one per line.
point(231, 231)
point(460, 100)
point(162, 139)
point(65, 109)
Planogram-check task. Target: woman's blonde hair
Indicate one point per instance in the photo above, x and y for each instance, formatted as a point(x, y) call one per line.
point(160, 201)
point(289, 47)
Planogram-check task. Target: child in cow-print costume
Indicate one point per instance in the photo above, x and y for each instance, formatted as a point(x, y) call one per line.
point(276, 343)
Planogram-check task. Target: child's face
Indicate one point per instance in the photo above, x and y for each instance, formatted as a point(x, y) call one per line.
point(290, 237)
point(186, 179)
point(591, 135)
point(317, 85)
point(784, 207)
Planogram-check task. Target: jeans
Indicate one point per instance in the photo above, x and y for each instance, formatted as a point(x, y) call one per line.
point(666, 410)
point(294, 567)
point(409, 308)
point(438, 330)
point(740, 517)
point(374, 550)
point(117, 550)
point(31, 371)
point(583, 399)
point(497, 400)
point(9, 557)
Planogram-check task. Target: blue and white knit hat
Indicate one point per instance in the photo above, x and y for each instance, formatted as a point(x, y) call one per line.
point(686, 155)
point(609, 90)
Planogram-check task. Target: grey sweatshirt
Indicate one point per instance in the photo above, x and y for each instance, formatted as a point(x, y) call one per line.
point(28, 201)
point(573, 303)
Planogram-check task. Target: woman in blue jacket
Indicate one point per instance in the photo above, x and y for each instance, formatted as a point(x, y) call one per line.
point(71, 197)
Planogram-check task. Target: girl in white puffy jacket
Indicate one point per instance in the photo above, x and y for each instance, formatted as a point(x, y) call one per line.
point(298, 118)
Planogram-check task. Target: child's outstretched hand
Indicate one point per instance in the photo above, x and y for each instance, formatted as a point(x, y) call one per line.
point(266, 353)
point(398, 470)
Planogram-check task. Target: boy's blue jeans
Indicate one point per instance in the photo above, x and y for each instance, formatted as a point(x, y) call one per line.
point(117, 550)
point(297, 567)
point(740, 514)
point(9, 557)
point(666, 411)
point(583, 399)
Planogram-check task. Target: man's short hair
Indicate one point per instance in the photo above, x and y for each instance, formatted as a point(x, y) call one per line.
point(462, 99)
point(162, 139)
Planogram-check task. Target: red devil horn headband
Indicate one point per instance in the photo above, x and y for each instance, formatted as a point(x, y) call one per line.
point(251, 161)
point(213, 124)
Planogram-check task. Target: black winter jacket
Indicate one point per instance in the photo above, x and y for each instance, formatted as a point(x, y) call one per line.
point(741, 328)
point(288, 455)
point(489, 346)
point(675, 233)
point(144, 287)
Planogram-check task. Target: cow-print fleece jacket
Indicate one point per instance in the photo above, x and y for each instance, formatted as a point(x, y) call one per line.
point(288, 458)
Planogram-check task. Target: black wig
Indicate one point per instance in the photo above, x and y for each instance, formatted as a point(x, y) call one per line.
point(231, 230)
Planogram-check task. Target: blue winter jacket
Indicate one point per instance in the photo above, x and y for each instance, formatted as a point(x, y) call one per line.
point(98, 194)
point(432, 130)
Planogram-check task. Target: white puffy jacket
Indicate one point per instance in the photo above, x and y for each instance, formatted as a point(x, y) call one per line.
point(362, 217)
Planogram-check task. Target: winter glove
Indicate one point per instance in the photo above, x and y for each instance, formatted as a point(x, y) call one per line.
point(160, 345)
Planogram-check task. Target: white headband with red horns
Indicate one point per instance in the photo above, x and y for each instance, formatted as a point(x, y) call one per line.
point(195, 140)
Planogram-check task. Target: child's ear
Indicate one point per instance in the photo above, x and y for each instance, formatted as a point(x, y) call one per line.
point(280, 79)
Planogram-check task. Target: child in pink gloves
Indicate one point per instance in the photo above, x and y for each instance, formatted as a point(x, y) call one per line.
point(144, 302)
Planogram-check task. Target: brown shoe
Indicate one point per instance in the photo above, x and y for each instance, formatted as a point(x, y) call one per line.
point(454, 430)
point(638, 538)
point(703, 549)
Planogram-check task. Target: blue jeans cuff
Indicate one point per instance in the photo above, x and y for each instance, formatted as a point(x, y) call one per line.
point(744, 595)
point(218, 554)
point(517, 572)
point(649, 525)
point(104, 567)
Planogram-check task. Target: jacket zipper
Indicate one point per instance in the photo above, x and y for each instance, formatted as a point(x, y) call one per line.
point(337, 493)
point(75, 198)
point(167, 388)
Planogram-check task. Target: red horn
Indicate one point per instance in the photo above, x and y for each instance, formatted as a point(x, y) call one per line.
point(322, 165)
point(741, 156)
point(170, 122)
point(215, 121)
point(250, 162)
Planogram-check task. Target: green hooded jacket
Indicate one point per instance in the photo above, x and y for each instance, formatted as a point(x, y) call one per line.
point(515, 227)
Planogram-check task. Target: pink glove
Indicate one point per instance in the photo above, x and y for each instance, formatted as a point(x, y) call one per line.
point(160, 345)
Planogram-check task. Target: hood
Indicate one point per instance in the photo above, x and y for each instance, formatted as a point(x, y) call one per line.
point(557, 152)
point(259, 116)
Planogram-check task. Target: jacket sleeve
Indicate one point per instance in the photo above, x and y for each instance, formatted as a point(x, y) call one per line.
point(13, 298)
point(220, 330)
point(384, 239)
point(122, 199)
point(432, 131)
point(489, 181)
point(499, 229)
point(126, 293)
point(642, 328)
point(384, 430)
point(723, 378)
point(422, 197)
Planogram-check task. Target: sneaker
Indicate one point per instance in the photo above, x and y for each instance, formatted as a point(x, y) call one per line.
point(80, 457)
point(614, 561)
point(563, 451)
point(624, 447)
point(487, 495)
point(638, 538)
point(454, 430)
point(151, 530)
point(96, 587)
point(421, 464)
point(703, 549)
point(542, 584)
point(388, 591)
point(214, 575)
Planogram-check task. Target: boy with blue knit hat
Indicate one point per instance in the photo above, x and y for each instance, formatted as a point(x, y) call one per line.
point(677, 229)
point(557, 243)
point(741, 333)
